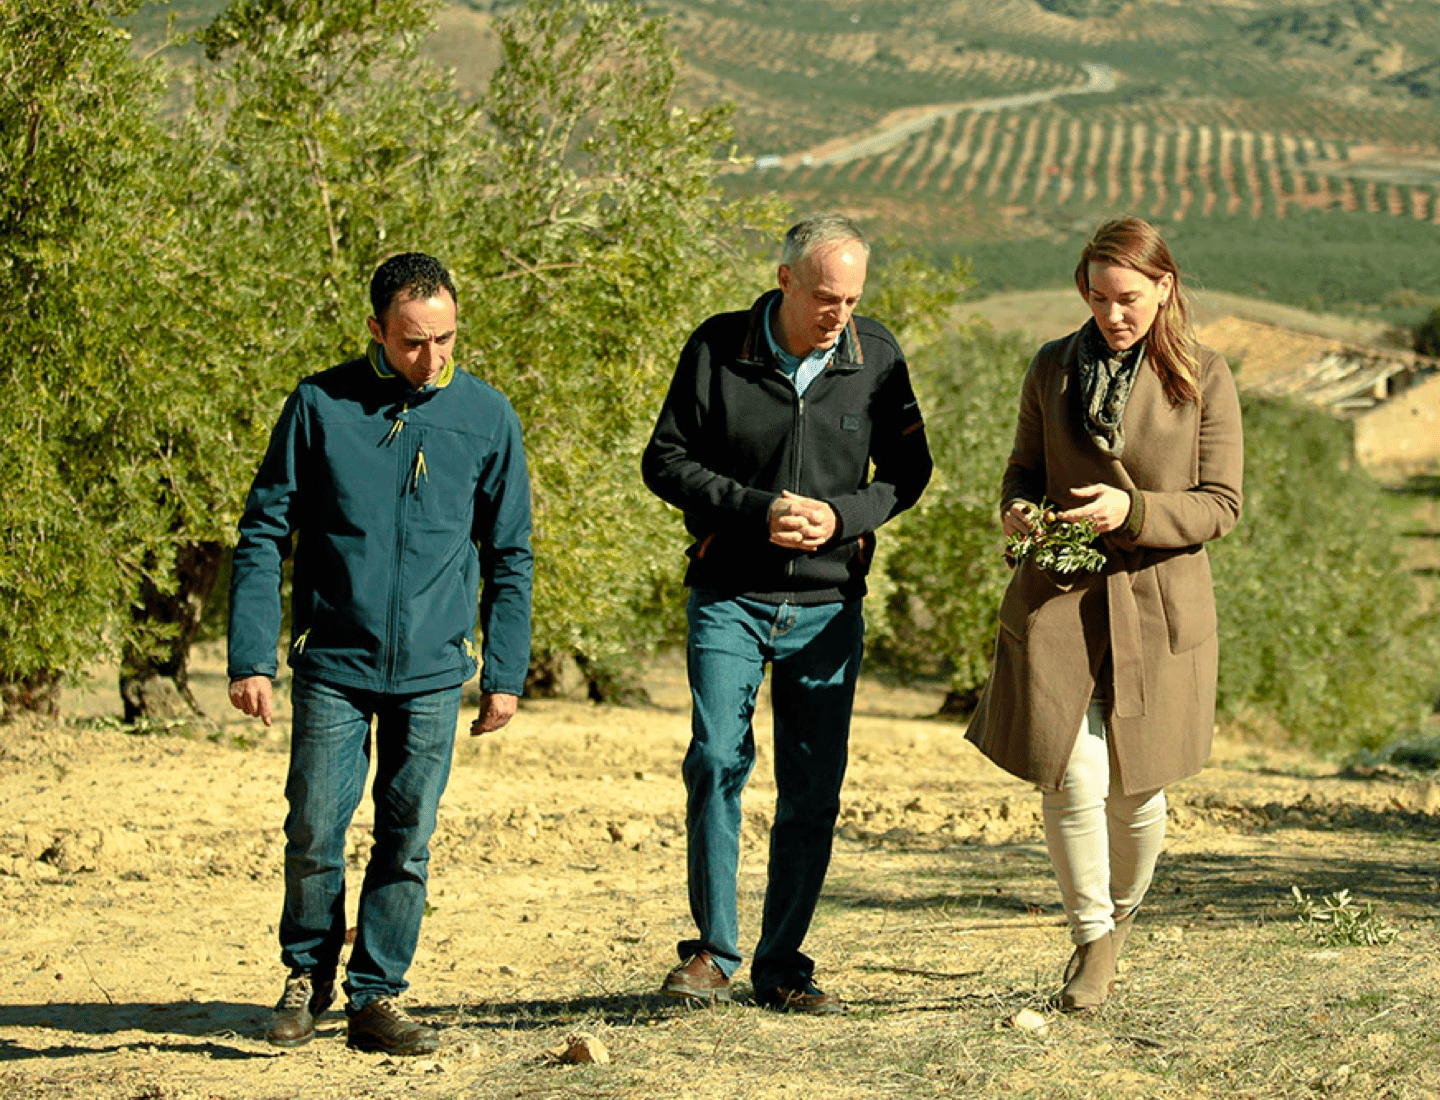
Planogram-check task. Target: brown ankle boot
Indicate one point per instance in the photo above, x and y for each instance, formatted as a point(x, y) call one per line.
point(1121, 933)
point(1094, 976)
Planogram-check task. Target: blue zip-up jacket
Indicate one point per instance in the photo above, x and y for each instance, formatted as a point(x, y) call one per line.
point(386, 492)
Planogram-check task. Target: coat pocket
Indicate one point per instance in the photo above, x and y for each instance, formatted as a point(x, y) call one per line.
point(1029, 588)
point(1187, 595)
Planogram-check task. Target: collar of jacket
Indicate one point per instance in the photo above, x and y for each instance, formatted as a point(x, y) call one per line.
point(376, 356)
point(756, 353)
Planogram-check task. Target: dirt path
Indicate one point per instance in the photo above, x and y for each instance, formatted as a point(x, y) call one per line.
point(140, 886)
point(899, 126)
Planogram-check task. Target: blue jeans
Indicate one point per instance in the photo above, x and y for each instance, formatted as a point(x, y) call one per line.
point(329, 757)
point(815, 656)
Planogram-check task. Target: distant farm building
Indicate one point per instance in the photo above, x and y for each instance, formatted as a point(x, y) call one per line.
point(1393, 396)
point(1402, 436)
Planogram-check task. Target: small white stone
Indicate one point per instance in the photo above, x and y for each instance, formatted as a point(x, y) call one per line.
point(1027, 1019)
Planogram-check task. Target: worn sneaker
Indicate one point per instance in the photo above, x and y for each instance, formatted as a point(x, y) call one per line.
point(805, 999)
point(698, 979)
point(304, 1001)
point(384, 1026)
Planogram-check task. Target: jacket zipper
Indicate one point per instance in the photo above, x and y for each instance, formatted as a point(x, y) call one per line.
point(407, 467)
point(796, 459)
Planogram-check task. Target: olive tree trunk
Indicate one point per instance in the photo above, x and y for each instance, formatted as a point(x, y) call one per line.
point(155, 680)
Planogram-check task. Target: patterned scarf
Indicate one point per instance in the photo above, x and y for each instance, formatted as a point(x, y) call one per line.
point(1106, 378)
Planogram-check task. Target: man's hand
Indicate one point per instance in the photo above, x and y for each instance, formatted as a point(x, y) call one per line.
point(496, 710)
point(1108, 509)
point(254, 695)
point(801, 523)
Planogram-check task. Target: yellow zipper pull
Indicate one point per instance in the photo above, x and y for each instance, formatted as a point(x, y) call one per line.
point(398, 424)
point(419, 470)
point(298, 645)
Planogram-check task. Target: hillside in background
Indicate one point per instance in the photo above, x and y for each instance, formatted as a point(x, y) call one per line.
point(1289, 151)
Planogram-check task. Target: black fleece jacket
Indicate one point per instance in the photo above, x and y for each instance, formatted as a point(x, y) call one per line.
point(733, 433)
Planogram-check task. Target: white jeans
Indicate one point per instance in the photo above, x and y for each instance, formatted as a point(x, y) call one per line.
point(1103, 844)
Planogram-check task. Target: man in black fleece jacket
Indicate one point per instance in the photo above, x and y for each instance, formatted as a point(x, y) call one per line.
point(766, 442)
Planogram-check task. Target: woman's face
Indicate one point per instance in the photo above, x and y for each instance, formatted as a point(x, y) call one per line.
point(1125, 302)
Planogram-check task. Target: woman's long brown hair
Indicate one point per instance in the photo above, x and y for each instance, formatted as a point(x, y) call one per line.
point(1170, 344)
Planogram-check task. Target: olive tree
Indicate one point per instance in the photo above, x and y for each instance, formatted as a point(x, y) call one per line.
point(83, 216)
point(575, 203)
point(596, 236)
point(178, 279)
point(1322, 632)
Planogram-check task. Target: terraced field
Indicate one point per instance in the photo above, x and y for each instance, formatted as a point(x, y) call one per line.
point(796, 85)
point(1285, 137)
point(1116, 159)
point(1296, 142)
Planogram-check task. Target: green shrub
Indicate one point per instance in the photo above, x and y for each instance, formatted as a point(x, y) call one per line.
point(1320, 624)
point(1338, 920)
point(941, 571)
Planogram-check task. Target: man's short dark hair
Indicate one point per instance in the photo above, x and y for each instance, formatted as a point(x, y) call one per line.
point(409, 275)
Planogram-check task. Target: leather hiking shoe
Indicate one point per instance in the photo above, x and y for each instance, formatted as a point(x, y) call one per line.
point(383, 1026)
point(698, 979)
point(305, 1000)
point(805, 999)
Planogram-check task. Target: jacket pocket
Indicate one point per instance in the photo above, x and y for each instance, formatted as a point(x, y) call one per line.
point(1029, 589)
point(1187, 596)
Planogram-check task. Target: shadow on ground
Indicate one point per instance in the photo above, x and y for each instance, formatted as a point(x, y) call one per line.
point(211, 1021)
point(1010, 884)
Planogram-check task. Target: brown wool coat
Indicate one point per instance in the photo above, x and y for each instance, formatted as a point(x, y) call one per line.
point(1152, 608)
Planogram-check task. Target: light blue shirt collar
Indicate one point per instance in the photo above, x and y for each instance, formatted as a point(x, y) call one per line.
point(801, 371)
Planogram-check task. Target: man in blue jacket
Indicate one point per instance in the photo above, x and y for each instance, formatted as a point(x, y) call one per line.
point(404, 482)
point(766, 441)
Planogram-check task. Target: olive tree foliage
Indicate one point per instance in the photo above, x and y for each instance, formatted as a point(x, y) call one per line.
point(941, 572)
point(575, 205)
point(595, 237)
point(335, 145)
point(174, 281)
point(284, 176)
point(1426, 336)
point(83, 217)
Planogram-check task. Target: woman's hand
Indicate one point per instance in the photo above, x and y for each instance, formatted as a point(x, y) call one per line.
point(1108, 509)
point(1015, 520)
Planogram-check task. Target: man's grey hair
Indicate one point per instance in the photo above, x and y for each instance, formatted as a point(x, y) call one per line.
point(810, 233)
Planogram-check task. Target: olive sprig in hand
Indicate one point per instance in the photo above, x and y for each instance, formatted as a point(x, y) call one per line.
point(1057, 545)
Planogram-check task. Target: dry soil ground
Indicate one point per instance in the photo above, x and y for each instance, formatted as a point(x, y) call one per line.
point(140, 885)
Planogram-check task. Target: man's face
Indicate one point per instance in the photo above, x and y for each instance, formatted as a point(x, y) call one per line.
point(418, 336)
point(821, 292)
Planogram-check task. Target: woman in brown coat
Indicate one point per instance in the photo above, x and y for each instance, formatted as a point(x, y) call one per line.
point(1103, 686)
